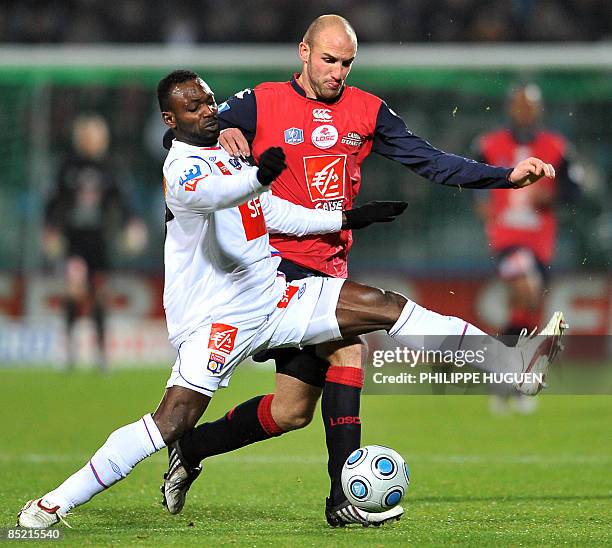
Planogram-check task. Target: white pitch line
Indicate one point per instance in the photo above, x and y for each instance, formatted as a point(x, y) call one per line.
point(600, 460)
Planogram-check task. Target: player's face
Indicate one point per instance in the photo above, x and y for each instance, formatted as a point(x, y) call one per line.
point(193, 113)
point(524, 108)
point(326, 65)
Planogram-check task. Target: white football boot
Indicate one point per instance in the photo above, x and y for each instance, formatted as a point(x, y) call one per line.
point(539, 351)
point(39, 514)
point(177, 480)
point(347, 514)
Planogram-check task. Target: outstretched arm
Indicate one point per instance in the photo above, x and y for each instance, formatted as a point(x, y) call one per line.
point(284, 217)
point(393, 140)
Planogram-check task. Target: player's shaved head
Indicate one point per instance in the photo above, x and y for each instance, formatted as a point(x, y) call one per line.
point(327, 51)
point(331, 22)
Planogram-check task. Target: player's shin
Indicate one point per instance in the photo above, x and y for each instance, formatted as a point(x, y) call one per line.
point(418, 328)
point(123, 450)
point(340, 410)
point(247, 423)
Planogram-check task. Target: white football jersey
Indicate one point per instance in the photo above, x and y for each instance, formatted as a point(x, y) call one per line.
point(217, 255)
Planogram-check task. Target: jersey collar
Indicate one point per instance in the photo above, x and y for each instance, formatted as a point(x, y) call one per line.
point(183, 144)
point(300, 90)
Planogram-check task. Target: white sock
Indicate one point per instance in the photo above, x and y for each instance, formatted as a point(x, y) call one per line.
point(420, 329)
point(123, 450)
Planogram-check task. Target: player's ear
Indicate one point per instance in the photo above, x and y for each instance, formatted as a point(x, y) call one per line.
point(304, 51)
point(169, 119)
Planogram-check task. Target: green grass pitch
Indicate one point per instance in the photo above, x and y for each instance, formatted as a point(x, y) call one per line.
point(477, 480)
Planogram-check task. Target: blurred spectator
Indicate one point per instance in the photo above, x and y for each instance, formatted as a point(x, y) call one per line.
point(85, 205)
point(137, 21)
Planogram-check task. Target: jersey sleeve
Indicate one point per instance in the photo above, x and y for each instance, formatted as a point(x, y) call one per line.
point(195, 186)
point(393, 140)
point(283, 217)
point(240, 111)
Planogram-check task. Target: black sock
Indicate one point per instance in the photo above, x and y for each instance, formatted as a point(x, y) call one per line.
point(511, 334)
point(70, 312)
point(99, 317)
point(246, 423)
point(70, 316)
point(340, 410)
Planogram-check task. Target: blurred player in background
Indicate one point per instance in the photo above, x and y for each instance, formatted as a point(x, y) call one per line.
point(85, 205)
point(521, 227)
point(327, 130)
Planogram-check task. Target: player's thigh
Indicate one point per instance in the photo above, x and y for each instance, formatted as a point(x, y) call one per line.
point(349, 352)
point(295, 394)
point(76, 274)
point(526, 290)
point(208, 357)
point(362, 309)
point(301, 363)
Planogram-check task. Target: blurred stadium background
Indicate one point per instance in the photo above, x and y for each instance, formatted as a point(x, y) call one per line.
point(444, 66)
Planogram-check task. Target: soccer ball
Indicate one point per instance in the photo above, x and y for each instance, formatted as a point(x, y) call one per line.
point(375, 478)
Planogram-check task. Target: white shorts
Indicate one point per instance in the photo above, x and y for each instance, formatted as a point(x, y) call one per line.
point(305, 315)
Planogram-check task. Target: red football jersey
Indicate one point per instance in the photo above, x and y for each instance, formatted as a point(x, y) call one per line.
point(515, 219)
point(325, 145)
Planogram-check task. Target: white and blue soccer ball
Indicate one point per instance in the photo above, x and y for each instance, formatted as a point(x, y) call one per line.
point(375, 478)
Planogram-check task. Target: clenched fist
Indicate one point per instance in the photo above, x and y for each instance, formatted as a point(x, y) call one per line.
point(529, 171)
point(271, 165)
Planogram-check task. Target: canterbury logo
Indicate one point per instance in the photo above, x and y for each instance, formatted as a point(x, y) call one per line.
point(322, 114)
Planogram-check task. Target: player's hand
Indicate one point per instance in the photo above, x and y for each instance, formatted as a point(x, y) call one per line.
point(271, 165)
point(529, 171)
point(372, 212)
point(234, 142)
point(135, 237)
point(53, 244)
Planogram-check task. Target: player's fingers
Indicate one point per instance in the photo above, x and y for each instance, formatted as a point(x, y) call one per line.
point(229, 144)
point(242, 144)
point(550, 171)
point(537, 166)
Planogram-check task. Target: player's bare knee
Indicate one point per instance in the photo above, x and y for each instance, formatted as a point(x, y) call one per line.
point(349, 352)
point(393, 305)
point(178, 413)
point(294, 419)
point(294, 415)
point(174, 425)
